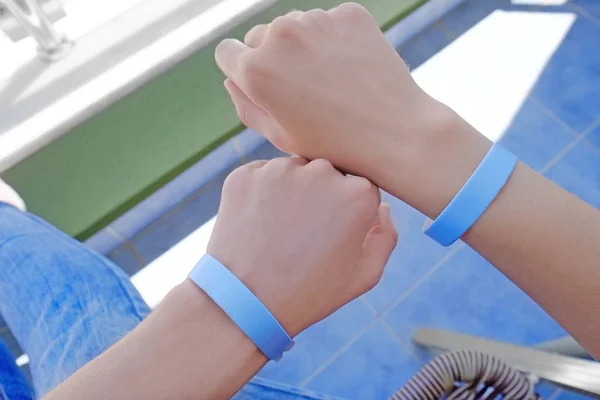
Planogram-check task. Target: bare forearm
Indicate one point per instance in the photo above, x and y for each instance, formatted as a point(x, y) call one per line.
point(540, 236)
point(546, 241)
point(186, 349)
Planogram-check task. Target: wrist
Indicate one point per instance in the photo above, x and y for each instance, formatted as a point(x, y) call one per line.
point(240, 264)
point(187, 302)
point(204, 332)
point(430, 169)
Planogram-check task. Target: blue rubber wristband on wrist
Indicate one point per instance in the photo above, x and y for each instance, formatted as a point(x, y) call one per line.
point(242, 306)
point(474, 198)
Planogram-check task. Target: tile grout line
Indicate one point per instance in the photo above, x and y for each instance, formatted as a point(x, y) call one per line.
point(401, 342)
point(239, 151)
point(338, 353)
point(578, 139)
point(368, 304)
point(439, 24)
point(440, 263)
point(560, 155)
point(136, 255)
point(129, 246)
point(587, 132)
point(590, 128)
point(584, 13)
point(380, 316)
point(553, 116)
point(115, 234)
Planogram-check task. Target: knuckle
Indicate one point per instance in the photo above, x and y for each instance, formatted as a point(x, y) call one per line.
point(316, 14)
point(253, 67)
point(395, 236)
point(256, 75)
point(238, 175)
point(249, 36)
point(363, 187)
point(285, 28)
point(354, 12)
point(320, 165)
point(242, 171)
point(279, 165)
point(373, 278)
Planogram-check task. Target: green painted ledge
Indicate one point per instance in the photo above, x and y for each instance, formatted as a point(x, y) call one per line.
point(105, 166)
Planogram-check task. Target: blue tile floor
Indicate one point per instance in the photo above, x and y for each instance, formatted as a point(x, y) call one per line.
point(525, 75)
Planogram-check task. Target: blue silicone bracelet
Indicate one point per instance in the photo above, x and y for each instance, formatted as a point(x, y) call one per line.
point(474, 198)
point(242, 306)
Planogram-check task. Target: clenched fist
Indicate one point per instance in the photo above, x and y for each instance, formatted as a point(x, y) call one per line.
point(303, 237)
point(326, 84)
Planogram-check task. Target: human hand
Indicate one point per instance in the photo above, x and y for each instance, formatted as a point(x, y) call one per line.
point(326, 84)
point(303, 237)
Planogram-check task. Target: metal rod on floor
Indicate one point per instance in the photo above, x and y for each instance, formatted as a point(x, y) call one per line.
point(569, 372)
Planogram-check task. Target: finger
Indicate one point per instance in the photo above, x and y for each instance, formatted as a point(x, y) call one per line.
point(285, 163)
point(256, 36)
point(299, 160)
point(256, 164)
point(295, 14)
point(378, 246)
point(317, 17)
point(289, 160)
point(228, 55)
point(255, 117)
point(359, 180)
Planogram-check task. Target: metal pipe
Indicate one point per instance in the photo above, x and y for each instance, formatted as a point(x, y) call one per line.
point(52, 43)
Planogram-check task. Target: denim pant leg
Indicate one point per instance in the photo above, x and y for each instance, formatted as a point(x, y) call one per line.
point(13, 383)
point(66, 304)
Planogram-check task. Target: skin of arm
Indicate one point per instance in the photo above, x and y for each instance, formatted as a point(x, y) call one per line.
point(187, 348)
point(304, 238)
point(326, 84)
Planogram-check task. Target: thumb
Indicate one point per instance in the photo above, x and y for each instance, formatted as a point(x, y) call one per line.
point(253, 116)
point(377, 248)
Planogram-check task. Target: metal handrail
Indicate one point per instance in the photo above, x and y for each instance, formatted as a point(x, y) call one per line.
point(31, 16)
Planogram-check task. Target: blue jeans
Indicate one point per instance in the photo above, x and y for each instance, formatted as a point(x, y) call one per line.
point(66, 304)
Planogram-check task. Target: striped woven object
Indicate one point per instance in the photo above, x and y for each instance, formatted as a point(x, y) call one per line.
point(467, 375)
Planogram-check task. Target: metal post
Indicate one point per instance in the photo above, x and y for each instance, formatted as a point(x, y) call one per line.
point(52, 44)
